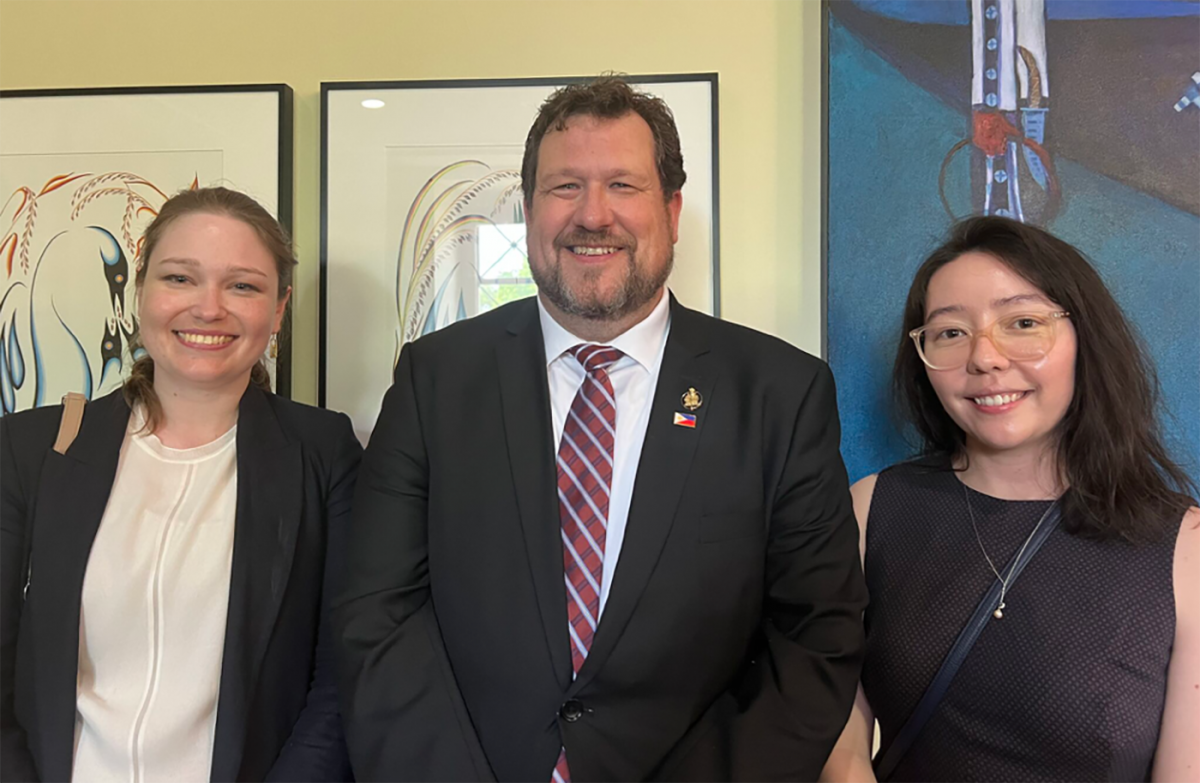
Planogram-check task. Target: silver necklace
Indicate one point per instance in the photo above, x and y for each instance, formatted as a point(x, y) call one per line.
point(999, 613)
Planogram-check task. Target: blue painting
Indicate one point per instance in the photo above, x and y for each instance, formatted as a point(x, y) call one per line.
point(1081, 116)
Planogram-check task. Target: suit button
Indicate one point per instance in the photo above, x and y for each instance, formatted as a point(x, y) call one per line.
point(571, 711)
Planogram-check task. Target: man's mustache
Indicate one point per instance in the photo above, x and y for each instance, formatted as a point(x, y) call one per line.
point(602, 238)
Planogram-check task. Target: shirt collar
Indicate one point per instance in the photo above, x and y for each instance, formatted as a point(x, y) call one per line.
point(642, 342)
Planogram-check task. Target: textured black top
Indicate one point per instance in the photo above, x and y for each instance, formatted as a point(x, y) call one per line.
point(1069, 685)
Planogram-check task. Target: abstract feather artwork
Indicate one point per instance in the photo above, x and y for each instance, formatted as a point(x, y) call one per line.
point(83, 172)
point(446, 268)
point(1079, 116)
point(67, 312)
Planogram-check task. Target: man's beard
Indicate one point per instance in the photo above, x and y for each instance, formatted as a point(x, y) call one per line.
point(639, 287)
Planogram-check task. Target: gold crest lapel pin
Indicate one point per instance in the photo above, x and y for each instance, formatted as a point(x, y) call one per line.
point(691, 400)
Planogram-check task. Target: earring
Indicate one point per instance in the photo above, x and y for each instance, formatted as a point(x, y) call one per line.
point(273, 346)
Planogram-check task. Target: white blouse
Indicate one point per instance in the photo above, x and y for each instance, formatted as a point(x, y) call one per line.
point(152, 621)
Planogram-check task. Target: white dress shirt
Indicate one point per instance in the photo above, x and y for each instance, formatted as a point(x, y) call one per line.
point(152, 616)
point(634, 377)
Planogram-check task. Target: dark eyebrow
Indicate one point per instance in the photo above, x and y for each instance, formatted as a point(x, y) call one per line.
point(1020, 298)
point(1005, 302)
point(943, 311)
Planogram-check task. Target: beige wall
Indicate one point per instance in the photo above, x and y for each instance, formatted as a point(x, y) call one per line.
point(767, 53)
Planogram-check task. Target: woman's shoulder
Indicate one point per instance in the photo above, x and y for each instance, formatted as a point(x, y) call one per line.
point(1187, 554)
point(25, 438)
point(32, 426)
point(920, 465)
point(301, 411)
point(901, 489)
point(861, 493)
point(304, 415)
point(911, 475)
point(863, 490)
point(32, 422)
point(312, 425)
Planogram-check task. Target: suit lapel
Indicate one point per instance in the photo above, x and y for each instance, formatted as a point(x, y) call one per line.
point(269, 507)
point(525, 397)
point(663, 469)
point(72, 494)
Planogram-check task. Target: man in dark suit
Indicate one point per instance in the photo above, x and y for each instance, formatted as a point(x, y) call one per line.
point(597, 535)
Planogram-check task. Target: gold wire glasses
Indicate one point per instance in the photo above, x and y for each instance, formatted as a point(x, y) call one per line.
point(947, 345)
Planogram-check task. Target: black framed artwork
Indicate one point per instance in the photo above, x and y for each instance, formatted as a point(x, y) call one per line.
point(83, 172)
point(422, 220)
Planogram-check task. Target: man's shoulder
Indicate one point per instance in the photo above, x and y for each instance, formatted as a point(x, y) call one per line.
point(480, 330)
point(747, 348)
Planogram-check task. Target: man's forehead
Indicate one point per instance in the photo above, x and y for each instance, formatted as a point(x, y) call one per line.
point(591, 140)
point(571, 169)
point(630, 121)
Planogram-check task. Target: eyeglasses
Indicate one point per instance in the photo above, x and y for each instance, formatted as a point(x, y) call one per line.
point(947, 345)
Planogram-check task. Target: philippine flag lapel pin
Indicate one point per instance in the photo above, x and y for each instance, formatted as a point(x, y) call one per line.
point(685, 420)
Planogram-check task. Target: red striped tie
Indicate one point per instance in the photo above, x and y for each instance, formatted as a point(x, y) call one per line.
point(585, 469)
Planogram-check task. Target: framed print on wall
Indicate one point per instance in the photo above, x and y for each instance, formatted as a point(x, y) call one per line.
point(422, 216)
point(1081, 118)
point(83, 172)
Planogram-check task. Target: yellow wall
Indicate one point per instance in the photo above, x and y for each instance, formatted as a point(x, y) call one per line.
point(767, 53)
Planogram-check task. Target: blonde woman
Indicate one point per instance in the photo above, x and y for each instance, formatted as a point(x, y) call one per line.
point(164, 581)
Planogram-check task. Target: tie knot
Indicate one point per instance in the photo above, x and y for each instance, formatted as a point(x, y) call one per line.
point(595, 357)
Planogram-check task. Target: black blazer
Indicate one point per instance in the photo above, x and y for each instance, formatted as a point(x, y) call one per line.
point(731, 642)
point(277, 709)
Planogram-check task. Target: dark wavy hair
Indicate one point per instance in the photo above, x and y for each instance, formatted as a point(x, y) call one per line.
point(1121, 481)
point(607, 97)
point(139, 388)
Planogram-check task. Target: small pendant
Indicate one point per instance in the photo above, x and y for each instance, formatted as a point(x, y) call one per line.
point(999, 613)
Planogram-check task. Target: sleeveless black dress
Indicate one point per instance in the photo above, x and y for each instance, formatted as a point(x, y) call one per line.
point(1069, 685)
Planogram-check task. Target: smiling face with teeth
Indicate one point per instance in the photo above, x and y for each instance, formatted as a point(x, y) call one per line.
point(600, 230)
point(209, 303)
point(1000, 404)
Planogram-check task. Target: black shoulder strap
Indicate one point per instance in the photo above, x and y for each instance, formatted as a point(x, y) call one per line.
point(890, 757)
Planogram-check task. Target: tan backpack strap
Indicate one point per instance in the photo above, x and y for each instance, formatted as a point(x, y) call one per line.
point(72, 418)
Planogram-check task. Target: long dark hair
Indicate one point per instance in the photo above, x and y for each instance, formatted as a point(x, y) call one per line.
point(139, 388)
point(1121, 480)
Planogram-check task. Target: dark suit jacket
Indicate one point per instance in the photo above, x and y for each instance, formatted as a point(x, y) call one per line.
point(277, 709)
point(730, 645)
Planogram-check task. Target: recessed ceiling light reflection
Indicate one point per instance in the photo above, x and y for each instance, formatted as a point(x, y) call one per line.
point(372, 103)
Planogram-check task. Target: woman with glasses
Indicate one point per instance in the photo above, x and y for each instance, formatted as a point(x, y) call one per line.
point(1035, 407)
